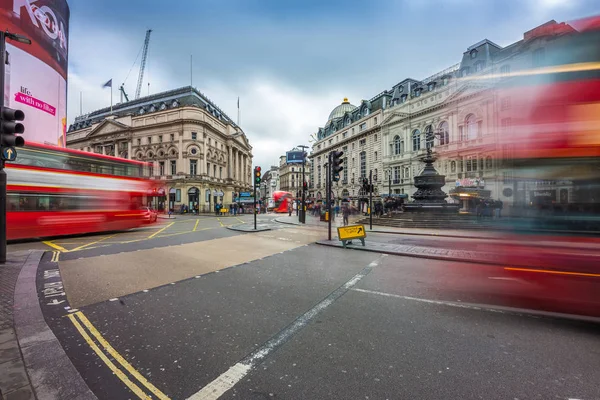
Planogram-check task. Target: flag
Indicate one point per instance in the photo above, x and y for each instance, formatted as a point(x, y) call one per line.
point(238, 102)
point(108, 84)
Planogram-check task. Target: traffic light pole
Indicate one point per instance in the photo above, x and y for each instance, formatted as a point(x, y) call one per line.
point(254, 178)
point(328, 197)
point(371, 199)
point(2, 172)
point(302, 218)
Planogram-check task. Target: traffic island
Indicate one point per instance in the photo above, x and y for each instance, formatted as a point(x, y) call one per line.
point(417, 251)
point(249, 228)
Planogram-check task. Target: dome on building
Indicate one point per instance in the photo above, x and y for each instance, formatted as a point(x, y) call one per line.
point(340, 110)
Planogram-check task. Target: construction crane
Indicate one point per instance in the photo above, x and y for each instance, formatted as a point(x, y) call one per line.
point(138, 90)
point(123, 93)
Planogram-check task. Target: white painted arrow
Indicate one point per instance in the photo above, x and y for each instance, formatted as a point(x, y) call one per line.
point(56, 302)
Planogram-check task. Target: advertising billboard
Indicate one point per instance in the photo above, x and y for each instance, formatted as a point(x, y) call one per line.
point(36, 74)
point(294, 157)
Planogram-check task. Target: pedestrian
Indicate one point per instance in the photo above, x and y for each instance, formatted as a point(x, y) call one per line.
point(345, 214)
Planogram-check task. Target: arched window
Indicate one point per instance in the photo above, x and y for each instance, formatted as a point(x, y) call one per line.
point(429, 138)
point(397, 145)
point(471, 127)
point(416, 139)
point(444, 133)
point(453, 166)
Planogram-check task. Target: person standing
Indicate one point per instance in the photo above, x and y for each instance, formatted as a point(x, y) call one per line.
point(345, 214)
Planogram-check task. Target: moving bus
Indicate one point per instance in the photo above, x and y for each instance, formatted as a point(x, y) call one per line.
point(282, 201)
point(55, 191)
point(551, 148)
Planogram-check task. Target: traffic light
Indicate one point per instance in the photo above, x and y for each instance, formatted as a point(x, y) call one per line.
point(365, 184)
point(257, 175)
point(305, 186)
point(336, 165)
point(9, 127)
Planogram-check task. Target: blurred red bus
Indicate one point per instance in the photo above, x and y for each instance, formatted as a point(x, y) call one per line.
point(549, 138)
point(282, 201)
point(55, 191)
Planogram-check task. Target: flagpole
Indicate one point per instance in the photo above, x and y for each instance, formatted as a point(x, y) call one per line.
point(111, 98)
point(238, 121)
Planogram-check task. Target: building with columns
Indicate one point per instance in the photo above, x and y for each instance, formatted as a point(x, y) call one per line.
point(198, 155)
point(462, 108)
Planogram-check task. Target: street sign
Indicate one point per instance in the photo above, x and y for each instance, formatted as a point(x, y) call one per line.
point(347, 233)
point(245, 194)
point(9, 153)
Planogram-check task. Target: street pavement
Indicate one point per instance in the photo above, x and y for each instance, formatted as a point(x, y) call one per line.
point(173, 311)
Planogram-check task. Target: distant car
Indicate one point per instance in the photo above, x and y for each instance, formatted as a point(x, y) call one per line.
point(150, 215)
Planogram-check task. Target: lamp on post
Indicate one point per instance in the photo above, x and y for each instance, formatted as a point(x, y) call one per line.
point(302, 215)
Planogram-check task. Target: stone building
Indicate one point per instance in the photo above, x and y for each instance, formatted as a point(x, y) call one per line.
point(461, 107)
point(198, 155)
point(355, 130)
point(290, 176)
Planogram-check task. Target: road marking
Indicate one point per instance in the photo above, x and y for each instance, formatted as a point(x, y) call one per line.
point(547, 271)
point(241, 220)
point(89, 244)
point(120, 359)
point(55, 256)
point(132, 386)
point(219, 219)
point(233, 375)
point(196, 225)
point(113, 299)
point(160, 230)
point(55, 246)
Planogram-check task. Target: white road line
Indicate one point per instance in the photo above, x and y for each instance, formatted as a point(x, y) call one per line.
point(113, 299)
point(233, 375)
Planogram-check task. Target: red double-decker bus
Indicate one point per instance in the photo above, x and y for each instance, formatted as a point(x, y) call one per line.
point(54, 191)
point(282, 201)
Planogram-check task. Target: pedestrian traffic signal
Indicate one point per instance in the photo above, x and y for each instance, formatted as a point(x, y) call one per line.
point(305, 186)
point(365, 184)
point(257, 175)
point(336, 165)
point(9, 127)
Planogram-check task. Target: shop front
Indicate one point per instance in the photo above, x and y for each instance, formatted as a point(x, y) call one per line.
point(469, 192)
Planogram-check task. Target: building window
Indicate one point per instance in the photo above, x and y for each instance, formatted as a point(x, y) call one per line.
point(193, 167)
point(362, 142)
point(375, 122)
point(161, 168)
point(397, 149)
point(505, 103)
point(209, 141)
point(149, 139)
point(375, 174)
point(194, 135)
point(539, 57)
point(353, 145)
point(472, 127)
point(330, 142)
point(139, 142)
point(220, 172)
point(151, 170)
point(465, 71)
point(445, 81)
point(363, 126)
point(318, 176)
point(479, 66)
point(396, 174)
point(172, 137)
point(215, 171)
point(375, 156)
point(363, 164)
point(444, 133)
point(344, 134)
point(160, 138)
point(173, 167)
point(345, 172)
point(473, 54)
point(505, 70)
point(375, 138)
point(208, 169)
point(416, 138)
point(453, 166)
point(471, 163)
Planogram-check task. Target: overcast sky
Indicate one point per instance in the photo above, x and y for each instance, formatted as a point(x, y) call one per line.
point(290, 62)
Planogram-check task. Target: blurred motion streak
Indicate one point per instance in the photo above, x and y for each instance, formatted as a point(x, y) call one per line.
point(54, 191)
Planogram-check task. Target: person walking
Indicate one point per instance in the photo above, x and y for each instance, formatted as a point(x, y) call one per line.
point(345, 214)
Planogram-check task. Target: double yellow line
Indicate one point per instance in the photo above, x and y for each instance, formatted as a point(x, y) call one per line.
point(127, 374)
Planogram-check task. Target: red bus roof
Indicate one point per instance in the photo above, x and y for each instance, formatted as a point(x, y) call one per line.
point(85, 153)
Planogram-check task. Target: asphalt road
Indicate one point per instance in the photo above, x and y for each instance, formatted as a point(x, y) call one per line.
point(291, 320)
